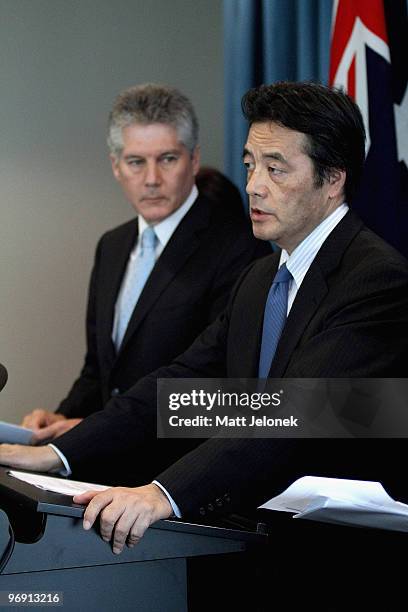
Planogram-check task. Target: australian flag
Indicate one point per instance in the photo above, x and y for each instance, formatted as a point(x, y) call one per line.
point(369, 54)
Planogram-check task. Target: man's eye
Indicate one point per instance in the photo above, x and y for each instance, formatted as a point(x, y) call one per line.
point(168, 159)
point(273, 170)
point(248, 165)
point(135, 162)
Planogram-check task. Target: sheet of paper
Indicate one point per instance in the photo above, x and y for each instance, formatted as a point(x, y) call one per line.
point(14, 434)
point(58, 485)
point(332, 512)
point(341, 501)
point(298, 496)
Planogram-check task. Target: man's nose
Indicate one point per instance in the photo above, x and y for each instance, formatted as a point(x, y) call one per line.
point(152, 177)
point(256, 184)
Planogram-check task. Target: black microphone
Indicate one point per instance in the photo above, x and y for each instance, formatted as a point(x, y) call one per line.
point(3, 376)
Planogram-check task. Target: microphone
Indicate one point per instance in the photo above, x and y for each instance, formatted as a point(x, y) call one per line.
point(3, 376)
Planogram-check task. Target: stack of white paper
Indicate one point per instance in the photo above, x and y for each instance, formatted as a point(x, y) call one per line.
point(346, 502)
point(58, 485)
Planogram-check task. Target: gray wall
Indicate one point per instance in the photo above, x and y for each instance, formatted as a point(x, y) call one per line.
point(61, 64)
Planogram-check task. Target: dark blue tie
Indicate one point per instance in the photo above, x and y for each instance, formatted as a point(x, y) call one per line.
point(276, 308)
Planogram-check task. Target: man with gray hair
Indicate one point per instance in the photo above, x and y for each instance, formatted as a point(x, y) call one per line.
point(159, 279)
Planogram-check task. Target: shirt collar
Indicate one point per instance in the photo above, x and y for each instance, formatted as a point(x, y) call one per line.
point(164, 229)
point(301, 259)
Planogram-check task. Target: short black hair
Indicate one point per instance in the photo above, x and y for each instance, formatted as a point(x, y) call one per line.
point(329, 118)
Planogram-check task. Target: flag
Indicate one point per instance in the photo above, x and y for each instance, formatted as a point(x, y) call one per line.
point(369, 61)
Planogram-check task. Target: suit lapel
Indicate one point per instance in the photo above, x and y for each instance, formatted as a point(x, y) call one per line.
point(313, 289)
point(257, 296)
point(184, 241)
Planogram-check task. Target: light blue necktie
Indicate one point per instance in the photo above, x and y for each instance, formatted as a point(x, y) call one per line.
point(138, 273)
point(276, 308)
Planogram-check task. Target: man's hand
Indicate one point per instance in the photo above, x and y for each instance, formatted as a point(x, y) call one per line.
point(54, 430)
point(47, 425)
point(40, 459)
point(125, 514)
point(40, 418)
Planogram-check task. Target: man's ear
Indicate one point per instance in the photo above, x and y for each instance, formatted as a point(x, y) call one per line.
point(115, 165)
point(196, 158)
point(336, 182)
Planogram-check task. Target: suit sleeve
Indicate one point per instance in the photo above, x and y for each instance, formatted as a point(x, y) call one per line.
point(230, 475)
point(125, 430)
point(126, 426)
point(85, 396)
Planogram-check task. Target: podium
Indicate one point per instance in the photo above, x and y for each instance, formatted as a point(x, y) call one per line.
point(45, 549)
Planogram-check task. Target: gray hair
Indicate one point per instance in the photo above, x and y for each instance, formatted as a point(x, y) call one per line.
point(149, 103)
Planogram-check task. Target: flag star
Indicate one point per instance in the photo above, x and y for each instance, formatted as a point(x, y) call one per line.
point(401, 128)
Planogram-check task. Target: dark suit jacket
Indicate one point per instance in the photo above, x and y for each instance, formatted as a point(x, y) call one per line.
point(188, 287)
point(349, 319)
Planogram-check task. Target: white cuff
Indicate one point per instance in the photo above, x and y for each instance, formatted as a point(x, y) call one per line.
point(67, 470)
point(176, 509)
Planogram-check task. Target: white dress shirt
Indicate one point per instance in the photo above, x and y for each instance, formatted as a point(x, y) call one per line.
point(299, 262)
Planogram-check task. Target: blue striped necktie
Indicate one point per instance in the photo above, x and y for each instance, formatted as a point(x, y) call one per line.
point(275, 314)
point(138, 272)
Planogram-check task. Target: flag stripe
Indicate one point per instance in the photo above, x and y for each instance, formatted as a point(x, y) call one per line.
point(370, 12)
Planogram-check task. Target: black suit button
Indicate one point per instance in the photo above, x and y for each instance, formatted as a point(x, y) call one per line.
point(218, 501)
point(227, 498)
point(115, 392)
point(202, 511)
point(210, 507)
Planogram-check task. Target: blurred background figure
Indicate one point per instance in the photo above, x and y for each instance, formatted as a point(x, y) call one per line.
point(218, 188)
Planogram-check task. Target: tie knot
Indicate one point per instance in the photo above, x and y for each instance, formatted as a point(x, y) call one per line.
point(283, 275)
point(149, 238)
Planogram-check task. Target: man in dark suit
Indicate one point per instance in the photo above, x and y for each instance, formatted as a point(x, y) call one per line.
point(201, 248)
point(345, 314)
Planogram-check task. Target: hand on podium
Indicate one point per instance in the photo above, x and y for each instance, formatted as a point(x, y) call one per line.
point(125, 513)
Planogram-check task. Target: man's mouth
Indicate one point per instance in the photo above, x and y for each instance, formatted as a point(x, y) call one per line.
point(258, 214)
point(152, 198)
